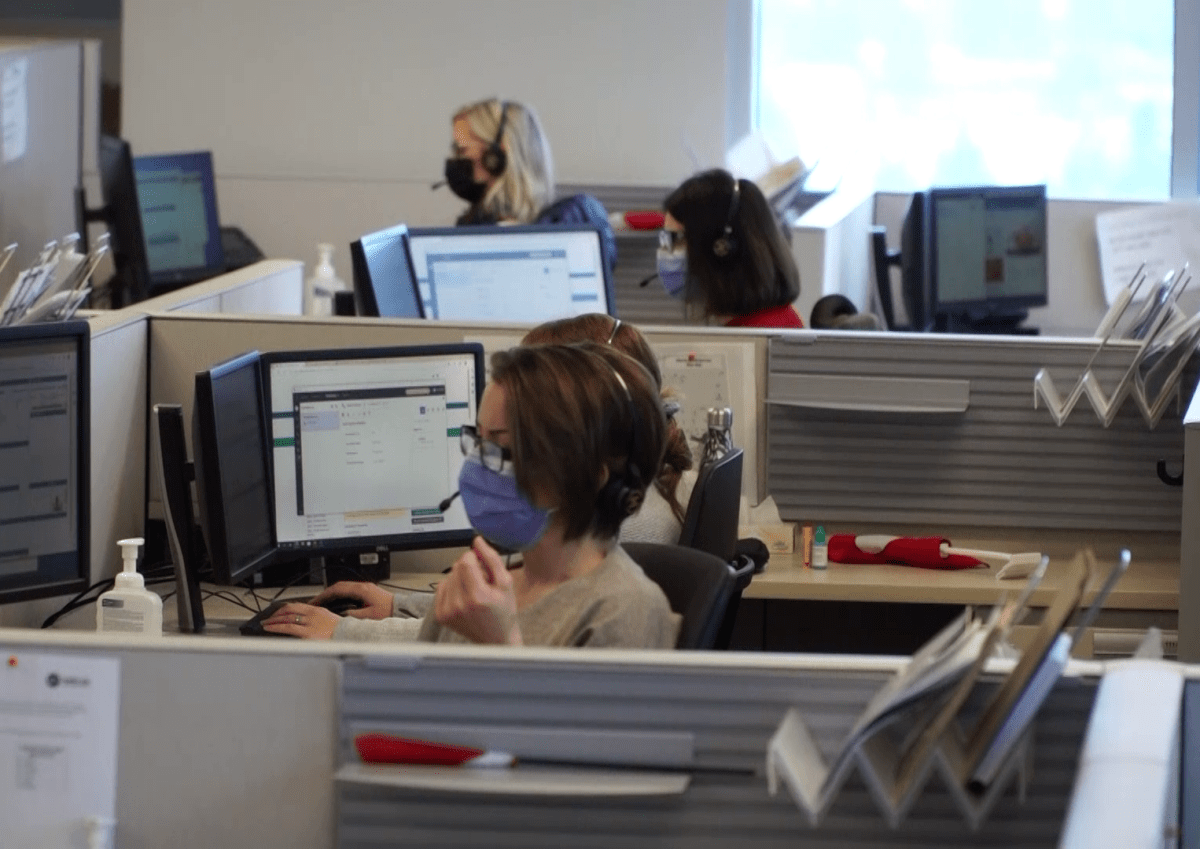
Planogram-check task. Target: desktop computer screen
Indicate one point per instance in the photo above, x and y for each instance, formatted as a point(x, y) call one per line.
point(122, 217)
point(987, 256)
point(523, 273)
point(44, 451)
point(177, 196)
point(384, 283)
point(230, 455)
point(365, 445)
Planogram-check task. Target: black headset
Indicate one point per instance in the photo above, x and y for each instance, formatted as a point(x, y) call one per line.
point(727, 244)
point(494, 159)
point(622, 496)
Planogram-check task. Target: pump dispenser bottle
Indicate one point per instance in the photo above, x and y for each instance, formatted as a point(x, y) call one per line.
point(129, 607)
point(322, 284)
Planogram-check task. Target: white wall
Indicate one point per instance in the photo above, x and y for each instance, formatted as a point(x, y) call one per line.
point(328, 120)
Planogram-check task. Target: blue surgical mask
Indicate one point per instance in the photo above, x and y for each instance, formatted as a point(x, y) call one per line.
point(672, 271)
point(496, 507)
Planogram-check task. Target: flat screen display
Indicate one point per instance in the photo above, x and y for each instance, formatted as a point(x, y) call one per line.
point(519, 273)
point(178, 199)
point(44, 451)
point(365, 445)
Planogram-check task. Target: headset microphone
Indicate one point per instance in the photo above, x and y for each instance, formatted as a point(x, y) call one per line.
point(445, 503)
point(646, 280)
point(437, 185)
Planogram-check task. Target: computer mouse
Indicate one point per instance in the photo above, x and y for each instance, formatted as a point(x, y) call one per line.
point(341, 605)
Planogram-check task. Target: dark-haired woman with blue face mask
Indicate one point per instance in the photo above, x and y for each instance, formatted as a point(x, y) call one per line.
point(567, 440)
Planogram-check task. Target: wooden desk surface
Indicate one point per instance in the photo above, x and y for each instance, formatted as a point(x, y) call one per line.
point(1152, 582)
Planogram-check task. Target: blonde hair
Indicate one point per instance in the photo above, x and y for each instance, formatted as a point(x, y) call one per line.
point(526, 186)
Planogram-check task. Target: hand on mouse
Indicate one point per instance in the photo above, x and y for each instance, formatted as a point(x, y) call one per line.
point(375, 601)
point(302, 620)
point(477, 598)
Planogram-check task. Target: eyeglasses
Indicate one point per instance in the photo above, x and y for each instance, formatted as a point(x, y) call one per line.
point(670, 240)
point(492, 456)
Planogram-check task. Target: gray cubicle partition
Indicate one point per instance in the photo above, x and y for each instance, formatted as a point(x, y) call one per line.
point(942, 431)
point(720, 710)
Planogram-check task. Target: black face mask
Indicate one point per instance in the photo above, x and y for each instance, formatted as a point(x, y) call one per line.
point(460, 177)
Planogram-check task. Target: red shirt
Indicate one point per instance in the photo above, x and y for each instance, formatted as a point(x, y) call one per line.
point(784, 316)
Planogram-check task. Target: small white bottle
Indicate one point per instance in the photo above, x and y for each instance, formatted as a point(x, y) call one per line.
point(129, 607)
point(820, 549)
point(322, 284)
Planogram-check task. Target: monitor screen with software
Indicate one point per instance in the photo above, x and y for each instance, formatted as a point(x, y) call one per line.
point(365, 445)
point(44, 453)
point(522, 273)
point(177, 196)
point(987, 256)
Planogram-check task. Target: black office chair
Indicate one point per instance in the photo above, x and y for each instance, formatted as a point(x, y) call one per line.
point(698, 586)
point(711, 521)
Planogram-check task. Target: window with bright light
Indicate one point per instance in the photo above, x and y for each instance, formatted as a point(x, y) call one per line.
point(908, 94)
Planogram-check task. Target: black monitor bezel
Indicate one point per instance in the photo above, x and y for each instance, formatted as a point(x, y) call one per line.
point(351, 545)
point(122, 215)
point(80, 333)
point(215, 263)
point(366, 296)
point(509, 229)
point(208, 474)
point(981, 307)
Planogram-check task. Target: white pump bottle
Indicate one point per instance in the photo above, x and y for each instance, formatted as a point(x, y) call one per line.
point(129, 607)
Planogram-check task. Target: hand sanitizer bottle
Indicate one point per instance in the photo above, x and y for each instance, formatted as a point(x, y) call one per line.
point(820, 549)
point(322, 284)
point(129, 607)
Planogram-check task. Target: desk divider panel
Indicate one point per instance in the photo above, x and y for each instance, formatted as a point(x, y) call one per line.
point(942, 431)
point(728, 709)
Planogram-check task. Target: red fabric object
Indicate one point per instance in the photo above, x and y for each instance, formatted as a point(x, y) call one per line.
point(784, 317)
point(386, 749)
point(647, 219)
point(924, 552)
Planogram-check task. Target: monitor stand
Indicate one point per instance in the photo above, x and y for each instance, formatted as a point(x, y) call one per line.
point(1008, 322)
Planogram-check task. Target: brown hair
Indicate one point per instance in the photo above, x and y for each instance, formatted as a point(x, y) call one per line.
point(601, 327)
point(575, 411)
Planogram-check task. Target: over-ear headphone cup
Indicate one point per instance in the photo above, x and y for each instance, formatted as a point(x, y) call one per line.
point(725, 246)
point(494, 160)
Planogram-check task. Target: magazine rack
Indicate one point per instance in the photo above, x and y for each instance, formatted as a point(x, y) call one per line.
point(914, 726)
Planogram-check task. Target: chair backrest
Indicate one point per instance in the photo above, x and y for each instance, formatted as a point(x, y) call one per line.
point(711, 521)
point(698, 586)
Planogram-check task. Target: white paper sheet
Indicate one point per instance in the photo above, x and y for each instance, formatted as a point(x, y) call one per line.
point(58, 747)
point(1163, 236)
point(14, 109)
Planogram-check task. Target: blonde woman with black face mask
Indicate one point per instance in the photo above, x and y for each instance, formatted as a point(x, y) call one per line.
point(500, 163)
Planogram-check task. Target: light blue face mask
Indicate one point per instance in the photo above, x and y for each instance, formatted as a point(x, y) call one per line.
point(672, 271)
point(498, 510)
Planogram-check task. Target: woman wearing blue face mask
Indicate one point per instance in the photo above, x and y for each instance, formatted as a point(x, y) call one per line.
point(723, 252)
point(568, 440)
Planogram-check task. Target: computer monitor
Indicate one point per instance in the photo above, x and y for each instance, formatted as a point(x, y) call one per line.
point(44, 450)
point(365, 446)
point(177, 197)
point(230, 455)
point(384, 283)
point(122, 216)
point(521, 273)
point(987, 257)
point(914, 270)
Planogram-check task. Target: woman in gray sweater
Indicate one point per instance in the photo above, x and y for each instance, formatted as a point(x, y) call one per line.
point(568, 439)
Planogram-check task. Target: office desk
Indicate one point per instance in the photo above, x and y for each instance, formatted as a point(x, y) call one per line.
point(886, 608)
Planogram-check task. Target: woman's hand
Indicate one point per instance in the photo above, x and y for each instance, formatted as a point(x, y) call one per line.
point(302, 620)
point(375, 601)
point(477, 598)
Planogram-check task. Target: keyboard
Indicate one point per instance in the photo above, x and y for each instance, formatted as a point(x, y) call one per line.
point(253, 627)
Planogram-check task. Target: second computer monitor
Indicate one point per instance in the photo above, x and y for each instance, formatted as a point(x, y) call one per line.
point(177, 195)
point(366, 446)
point(384, 283)
point(520, 273)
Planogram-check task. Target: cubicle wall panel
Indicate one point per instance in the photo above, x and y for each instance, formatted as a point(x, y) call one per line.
point(726, 715)
point(972, 449)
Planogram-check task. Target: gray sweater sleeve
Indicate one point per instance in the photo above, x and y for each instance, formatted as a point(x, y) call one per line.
point(393, 629)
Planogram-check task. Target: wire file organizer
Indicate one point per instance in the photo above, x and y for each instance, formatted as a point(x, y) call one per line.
point(1166, 337)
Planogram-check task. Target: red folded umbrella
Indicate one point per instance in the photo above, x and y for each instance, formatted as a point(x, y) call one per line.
point(925, 552)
